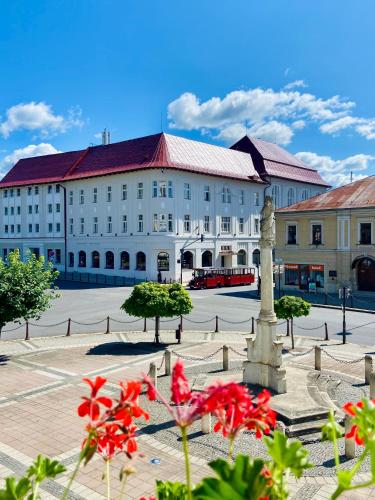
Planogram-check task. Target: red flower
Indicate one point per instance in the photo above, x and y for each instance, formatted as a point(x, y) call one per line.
point(180, 388)
point(363, 419)
point(90, 406)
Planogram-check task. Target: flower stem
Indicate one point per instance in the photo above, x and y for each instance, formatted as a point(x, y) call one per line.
point(230, 450)
point(35, 492)
point(72, 477)
point(108, 480)
point(187, 462)
point(123, 484)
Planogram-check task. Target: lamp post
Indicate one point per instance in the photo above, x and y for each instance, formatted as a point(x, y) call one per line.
point(344, 293)
point(182, 249)
point(65, 230)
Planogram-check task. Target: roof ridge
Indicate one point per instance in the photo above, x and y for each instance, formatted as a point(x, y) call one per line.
point(76, 163)
point(161, 153)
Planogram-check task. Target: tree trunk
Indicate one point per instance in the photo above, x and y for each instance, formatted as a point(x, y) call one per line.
point(292, 332)
point(1, 327)
point(157, 326)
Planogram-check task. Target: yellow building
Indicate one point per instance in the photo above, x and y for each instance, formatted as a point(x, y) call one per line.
point(328, 241)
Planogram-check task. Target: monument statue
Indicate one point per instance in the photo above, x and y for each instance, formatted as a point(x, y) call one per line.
point(264, 350)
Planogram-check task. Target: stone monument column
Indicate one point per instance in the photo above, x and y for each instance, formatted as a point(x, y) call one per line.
point(264, 350)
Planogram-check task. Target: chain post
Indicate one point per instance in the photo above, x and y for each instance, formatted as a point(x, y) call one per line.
point(252, 325)
point(27, 331)
point(326, 331)
point(349, 442)
point(206, 423)
point(216, 324)
point(225, 358)
point(107, 330)
point(368, 368)
point(145, 325)
point(372, 385)
point(318, 358)
point(168, 361)
point(68, 329)
point(153, 373)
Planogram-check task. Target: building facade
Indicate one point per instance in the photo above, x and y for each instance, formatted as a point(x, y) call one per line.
point(132, 208)
point(328, 241)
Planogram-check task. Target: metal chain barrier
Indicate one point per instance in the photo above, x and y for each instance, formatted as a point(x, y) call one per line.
point(309, 329)
point(360, 326)
point(48, 326)
point(13, 329)
point(89, 324)
point(193, 321)
point(282, 323)
point(237, 352)
point(187, 357)
point(296, 354)
point(341, 360)
point(161, 364)
point(234, 322)
point(125, 322)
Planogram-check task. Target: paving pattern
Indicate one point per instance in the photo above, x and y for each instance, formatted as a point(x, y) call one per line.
point(41, 386)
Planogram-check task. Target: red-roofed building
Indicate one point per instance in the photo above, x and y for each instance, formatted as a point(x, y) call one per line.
point(328, 241)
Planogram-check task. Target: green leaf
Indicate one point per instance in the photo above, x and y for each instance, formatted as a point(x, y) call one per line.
point(168, 490)
point(15, 490)
point(332, 431)
point(344, 479)
point(43, 468)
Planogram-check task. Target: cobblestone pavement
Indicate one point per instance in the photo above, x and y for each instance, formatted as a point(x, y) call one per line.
point(41, 386)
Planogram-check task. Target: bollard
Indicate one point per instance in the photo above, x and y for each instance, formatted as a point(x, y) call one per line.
point(153, 374)
point(225, 358)
point(182, 326)
point(287, 328)
point(27, 330)
point(372, 385)
point(168, 361)
point(216, 324)
point(252, 325)
point(145, 325)
point(68, 329)
point(368, 368)
point(318, 358)
point(326, 331)
point(206, 423)
point(107, 331)
point(349, 442)
point(178, 334)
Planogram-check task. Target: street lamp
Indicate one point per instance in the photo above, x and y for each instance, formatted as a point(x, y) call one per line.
point(182, 249)
point(344, 293)
point(65, 230)
point(279, 270)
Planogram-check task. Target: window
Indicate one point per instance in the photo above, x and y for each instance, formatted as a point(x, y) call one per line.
point(242, 197)
point(256, 226)
point(12, 228)
point(6, 229)
point(5, 210)
point(109, 193)
point(29, 191)
point(82, 228)
point(95, 195)
point(18, 192)
point(81, 197)
point(109, 224)
point(240, 225)
point(170, 189)
point(187, 191)
point(163, 223)
point(109, 260)
point(31, 228)
point(305, 194)
point(140, 223)
point(70, 226)
point(316, 234)
point(241, 258)
point(124, 261)
point(49, 189)
point(82, 259)
point(291, 197)
point(18, 228)
point(50, 227)
point(49, 208)
point(365, 233)
point(95, 260)
point(141, 261)
point(155, 224)
point(207, 259)
point(159, 189)
point(57, 189)
point(170, 223)
point(154, 189)
point(57, 207)
point(11, 192)
point(36, 209)
point(206, 224)
point(226, 196)
point(70, 198)
point(291, 275)
point(18, 210)
point(95, 225)
point(30, 209)
point(58, 256)
point(291, 234)
point(71, 259)
point(5, 194)
point(37, 228)
point(187, 225)
point(36, 190)
point(140, 191)
point(163, 261)
point(58, 227)
point(225, 224)
point(124, 192)
point(276, 196)
point(124, 223)
point(206, 193)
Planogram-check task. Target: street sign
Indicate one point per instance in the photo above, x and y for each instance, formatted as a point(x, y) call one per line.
point(278, 269)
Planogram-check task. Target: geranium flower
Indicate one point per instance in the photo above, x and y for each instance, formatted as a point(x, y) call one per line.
point(90, 406)
point(363, 420)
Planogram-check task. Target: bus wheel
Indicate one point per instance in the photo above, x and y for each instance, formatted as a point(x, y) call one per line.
point(219, 285)
point(201, 287)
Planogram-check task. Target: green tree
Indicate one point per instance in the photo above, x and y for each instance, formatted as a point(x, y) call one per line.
point(289, 307)
point(154, 300)
point(26, 288)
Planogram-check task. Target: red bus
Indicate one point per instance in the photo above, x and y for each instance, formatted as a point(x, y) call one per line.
point(212, 278)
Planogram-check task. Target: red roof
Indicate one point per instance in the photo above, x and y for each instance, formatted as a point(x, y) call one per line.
point(359, 194)
point(154, 151)
point(272, 160)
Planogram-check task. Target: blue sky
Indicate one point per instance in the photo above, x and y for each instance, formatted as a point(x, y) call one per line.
point(297, 73)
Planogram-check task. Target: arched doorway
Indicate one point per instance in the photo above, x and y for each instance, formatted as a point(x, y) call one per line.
point(241, 258)
point(95, 260)
point(365, 274)
point(256, 257)
point(163, 261)
point(141, 261)
point(109, 260)
point(187, 260)
point(82, 259)
point(207, 259)
point(124, 261)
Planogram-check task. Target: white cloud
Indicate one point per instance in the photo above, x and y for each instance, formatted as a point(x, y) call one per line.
point(299, 124)
point(38, 116)
point(337, 172)
point(31, 150)
point(295, 84)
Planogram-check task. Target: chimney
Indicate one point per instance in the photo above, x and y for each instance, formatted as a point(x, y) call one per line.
point(106, 137)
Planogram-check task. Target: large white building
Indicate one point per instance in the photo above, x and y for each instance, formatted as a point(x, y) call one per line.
point(127, 209)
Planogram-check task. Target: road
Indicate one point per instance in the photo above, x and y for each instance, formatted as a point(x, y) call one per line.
point(91, 304)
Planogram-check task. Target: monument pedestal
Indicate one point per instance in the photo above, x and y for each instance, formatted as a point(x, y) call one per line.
point(264, 353)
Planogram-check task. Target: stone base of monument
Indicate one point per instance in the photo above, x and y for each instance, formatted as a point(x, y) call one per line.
point(271, 377)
